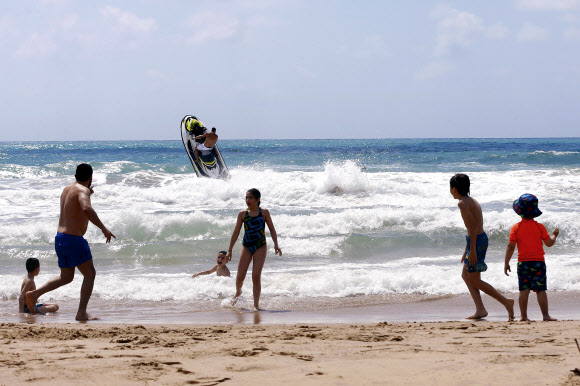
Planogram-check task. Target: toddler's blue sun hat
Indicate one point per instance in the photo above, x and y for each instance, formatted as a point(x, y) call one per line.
point(527, 206)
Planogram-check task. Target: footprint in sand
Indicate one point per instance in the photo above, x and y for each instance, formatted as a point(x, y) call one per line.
point(307, 358)
point(207, 381)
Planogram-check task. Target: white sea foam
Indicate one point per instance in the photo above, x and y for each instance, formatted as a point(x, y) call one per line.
point(345, 232)
point(342, 178)
point(415, 275)
point(313, 212)
point(553, 152)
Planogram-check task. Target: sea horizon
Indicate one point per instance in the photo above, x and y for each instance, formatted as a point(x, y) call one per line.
point(289, 139)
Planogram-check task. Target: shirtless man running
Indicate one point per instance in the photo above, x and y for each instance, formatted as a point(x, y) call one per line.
point(473, 259)
point(71, 248)
point(211, 139)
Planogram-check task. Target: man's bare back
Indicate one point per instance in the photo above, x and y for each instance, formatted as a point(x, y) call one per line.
point(210, 139)
point(73, 220)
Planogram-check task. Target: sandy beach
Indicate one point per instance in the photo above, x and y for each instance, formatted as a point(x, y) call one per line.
point(484, 352)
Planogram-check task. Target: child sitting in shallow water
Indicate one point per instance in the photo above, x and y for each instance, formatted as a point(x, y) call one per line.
point(220, 268)
point(28, 284)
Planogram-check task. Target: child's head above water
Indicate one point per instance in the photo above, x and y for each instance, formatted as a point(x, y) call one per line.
point(461, 183)
point(221, 258)
point(32, 264)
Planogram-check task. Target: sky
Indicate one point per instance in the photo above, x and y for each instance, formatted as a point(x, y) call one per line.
point(131, 69)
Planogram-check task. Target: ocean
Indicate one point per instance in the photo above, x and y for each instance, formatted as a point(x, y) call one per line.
point(361, 223)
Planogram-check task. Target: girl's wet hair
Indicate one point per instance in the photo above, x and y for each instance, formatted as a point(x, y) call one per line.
point(256, 193)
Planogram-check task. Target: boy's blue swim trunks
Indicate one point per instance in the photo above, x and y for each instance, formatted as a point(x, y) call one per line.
point(481, 248)
point(27, 311)
point(532, 275)
point(71, 250)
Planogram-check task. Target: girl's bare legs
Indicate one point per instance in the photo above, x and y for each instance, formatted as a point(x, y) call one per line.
point(243, 264)
point(543, 302)
point(259, 259)
point(523, 300)
point(480, 311)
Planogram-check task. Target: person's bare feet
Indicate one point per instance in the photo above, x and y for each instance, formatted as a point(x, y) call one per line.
point(30, 303)
point(549, 319)
point(525, 319)
point(84, 317)
point(478, 315)
point(235, 298)
point(509, 306)
point(256, 309)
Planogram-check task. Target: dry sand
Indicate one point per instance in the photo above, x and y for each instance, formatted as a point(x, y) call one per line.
point(450, 353)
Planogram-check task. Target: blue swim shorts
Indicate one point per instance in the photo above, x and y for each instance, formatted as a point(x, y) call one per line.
point(71, 250)
point(481, 248)
point(27, 311)
point(532, 276)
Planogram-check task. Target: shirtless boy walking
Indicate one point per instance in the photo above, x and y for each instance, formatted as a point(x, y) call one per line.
point(71, 248)
point(475, 249)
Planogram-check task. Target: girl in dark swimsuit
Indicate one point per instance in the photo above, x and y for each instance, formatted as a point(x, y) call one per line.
point(254, 246)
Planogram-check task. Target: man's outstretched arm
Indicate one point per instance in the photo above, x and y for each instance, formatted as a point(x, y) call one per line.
point(88, 210)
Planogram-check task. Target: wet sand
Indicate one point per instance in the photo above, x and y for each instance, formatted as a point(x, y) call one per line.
point(563, 306)
point(373, 344)
point(484, 352)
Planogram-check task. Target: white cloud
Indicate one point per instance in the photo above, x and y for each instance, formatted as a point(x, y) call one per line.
point(441, 11)
point(54, 2)
point(262, 22)
point(454, 29)
point(209, 26)
point(127, 21)
point(7, 29)
point(572, 33)
point(433, 70)
point(307, 73)
point(549, 5)
point(232, 19)
point(532, 32)
point(156, 79)
point(371, 46)
point(36, 45)
point(69, 22)
point(571, 18)
point(155, 75)
point(497, 31)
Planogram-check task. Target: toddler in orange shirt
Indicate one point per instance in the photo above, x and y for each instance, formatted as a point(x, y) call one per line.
point(528, 235)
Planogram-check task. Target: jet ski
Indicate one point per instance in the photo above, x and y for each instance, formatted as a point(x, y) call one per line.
point(210, 164)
